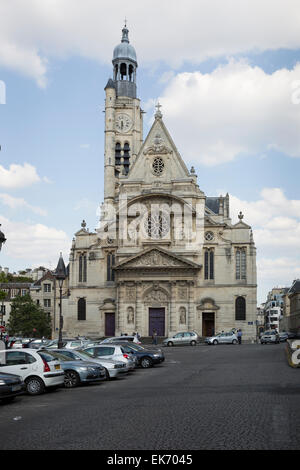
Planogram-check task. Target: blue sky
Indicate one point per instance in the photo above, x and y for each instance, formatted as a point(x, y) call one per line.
point(55, 65)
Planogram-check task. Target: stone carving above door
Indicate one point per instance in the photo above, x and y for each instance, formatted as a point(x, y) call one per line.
point(156, 295)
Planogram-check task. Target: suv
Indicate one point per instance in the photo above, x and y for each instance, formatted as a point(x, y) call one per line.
point(270, 337)
point(184, 338)
point(112, 351)
point(38, 369)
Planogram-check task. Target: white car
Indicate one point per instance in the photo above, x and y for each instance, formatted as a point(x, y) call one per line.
point(222, 338)
point(68, 344)
point(37, 368)
point(112, 368)
point(133, 339)
point(112, 351)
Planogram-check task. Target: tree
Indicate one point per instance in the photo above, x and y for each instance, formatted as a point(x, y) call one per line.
point(28, 319)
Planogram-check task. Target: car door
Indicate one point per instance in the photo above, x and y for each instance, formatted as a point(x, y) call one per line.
point(222, 338)
point(178, 339)
point(18, 362)
point(186, 338)
point(107, 352)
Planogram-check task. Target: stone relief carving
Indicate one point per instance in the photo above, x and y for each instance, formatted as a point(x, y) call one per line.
point(156, 295)
point(130, 293)
point(155, 258)
point(158, 147)
point(182, 293)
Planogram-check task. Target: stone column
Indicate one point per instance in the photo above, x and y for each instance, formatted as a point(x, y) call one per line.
point(139, 308)
point(121, 299)
point(172, 323)
point(191, 312)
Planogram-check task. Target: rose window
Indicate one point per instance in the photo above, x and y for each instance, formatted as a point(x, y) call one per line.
point(209, 236)
point(157, 226)
point(158, 166)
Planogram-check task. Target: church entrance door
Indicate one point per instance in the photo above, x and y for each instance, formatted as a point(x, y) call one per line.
point(157, 321)
point(208, 324)
point(110, 324)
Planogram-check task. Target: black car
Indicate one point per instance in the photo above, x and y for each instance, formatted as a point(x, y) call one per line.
point(144, 357)
point(11, 385)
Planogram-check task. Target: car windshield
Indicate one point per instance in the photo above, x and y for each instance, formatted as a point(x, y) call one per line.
point(83, 353)
point(137, 347)
point(60, 356)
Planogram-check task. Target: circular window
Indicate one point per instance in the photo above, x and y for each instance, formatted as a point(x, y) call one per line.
point(158, 166)
point(209, 236)
point(157, 226)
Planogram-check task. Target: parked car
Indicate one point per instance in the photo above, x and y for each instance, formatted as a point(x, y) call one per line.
point(112, 351)
point(283, 336)
point(76, 371)
point(222, 338)
point(112, 368)
point(38, 370)
point(11, 385)
point(182, 338)
point(133, 339)
point(68, 343)
point(19, 343)
point(144, 357)
point(37, 343)
point(270, 337)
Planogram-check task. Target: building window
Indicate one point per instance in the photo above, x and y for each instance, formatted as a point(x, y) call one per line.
point(47, 287)
point(240, 308)
point(118, 154)
point(82, 268)
point(110, 265)
point(23, 292)
point(14, 293)
point(47, 303)
point(81, 309)
point(240, 264)
point(209, 264)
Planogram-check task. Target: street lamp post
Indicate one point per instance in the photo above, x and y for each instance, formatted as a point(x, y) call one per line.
point(60, 275)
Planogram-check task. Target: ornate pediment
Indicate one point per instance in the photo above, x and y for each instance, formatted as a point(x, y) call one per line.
point(158, 259)
point(158, 146)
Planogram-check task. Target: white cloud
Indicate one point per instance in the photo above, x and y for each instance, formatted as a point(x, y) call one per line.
point(18, 176)
point(33, 32)
point(235, 109)
point(20, 203)
point(34, 243)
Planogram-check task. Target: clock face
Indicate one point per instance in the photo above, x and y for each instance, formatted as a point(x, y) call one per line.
point(123, 123)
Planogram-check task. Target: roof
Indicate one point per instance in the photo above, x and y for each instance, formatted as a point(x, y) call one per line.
point(213, 203)
point(295, 287)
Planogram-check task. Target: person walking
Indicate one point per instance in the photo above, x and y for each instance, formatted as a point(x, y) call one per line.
point(239, 336)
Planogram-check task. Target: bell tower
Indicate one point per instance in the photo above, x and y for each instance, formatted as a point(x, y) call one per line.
point(123, 118)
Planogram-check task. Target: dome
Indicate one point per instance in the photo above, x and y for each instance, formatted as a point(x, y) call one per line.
point(124, 50)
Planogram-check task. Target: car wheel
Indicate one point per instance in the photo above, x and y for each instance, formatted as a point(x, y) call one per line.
point(107, 376)
point(72, 379)
point(146, 362)
point(35, 386)
point(169, 343)
point(193, 343)
point(234, 341)
point(215, 342)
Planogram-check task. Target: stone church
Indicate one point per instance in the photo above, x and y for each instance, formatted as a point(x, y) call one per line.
point(164, 256)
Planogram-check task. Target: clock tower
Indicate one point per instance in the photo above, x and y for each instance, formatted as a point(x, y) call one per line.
point(123, 118)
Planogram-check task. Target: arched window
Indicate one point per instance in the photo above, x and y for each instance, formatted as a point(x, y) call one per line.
point(123, 71)
point(126, 157)
point(110, 265)
point(130, 72)
point(116, 72)
point(240, 264)
point(240, 308)
point(81, 309)
point(209, 264)
point(118, 154)
point(82, 268)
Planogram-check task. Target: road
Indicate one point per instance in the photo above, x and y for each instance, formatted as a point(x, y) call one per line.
point(204, 397)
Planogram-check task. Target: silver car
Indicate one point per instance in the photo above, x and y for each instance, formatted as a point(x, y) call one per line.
point(183, 338)
point(222, 338)
point(112, 351)
point(112, 368)
point(270, 337)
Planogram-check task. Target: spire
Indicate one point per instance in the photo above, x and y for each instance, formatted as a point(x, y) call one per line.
point(125, 32)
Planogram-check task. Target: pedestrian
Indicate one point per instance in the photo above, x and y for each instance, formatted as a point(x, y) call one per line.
point(239, 336)
point(154, 336)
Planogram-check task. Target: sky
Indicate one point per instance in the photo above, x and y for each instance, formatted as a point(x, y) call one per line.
point(227, 73)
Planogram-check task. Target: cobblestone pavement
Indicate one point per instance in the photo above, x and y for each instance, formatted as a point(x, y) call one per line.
point(204, 397)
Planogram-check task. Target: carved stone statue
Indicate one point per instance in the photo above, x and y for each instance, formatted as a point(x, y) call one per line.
point(130, 315)
point(182, 316)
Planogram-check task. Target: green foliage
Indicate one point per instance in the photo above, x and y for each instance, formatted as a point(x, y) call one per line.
point(26, 316)
point(10, 278)
point(3, 295)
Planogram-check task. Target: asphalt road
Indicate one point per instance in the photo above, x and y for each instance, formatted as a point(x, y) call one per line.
point(204, 397)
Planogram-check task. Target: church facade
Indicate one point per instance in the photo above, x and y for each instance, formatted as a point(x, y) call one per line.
point(165, 256)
